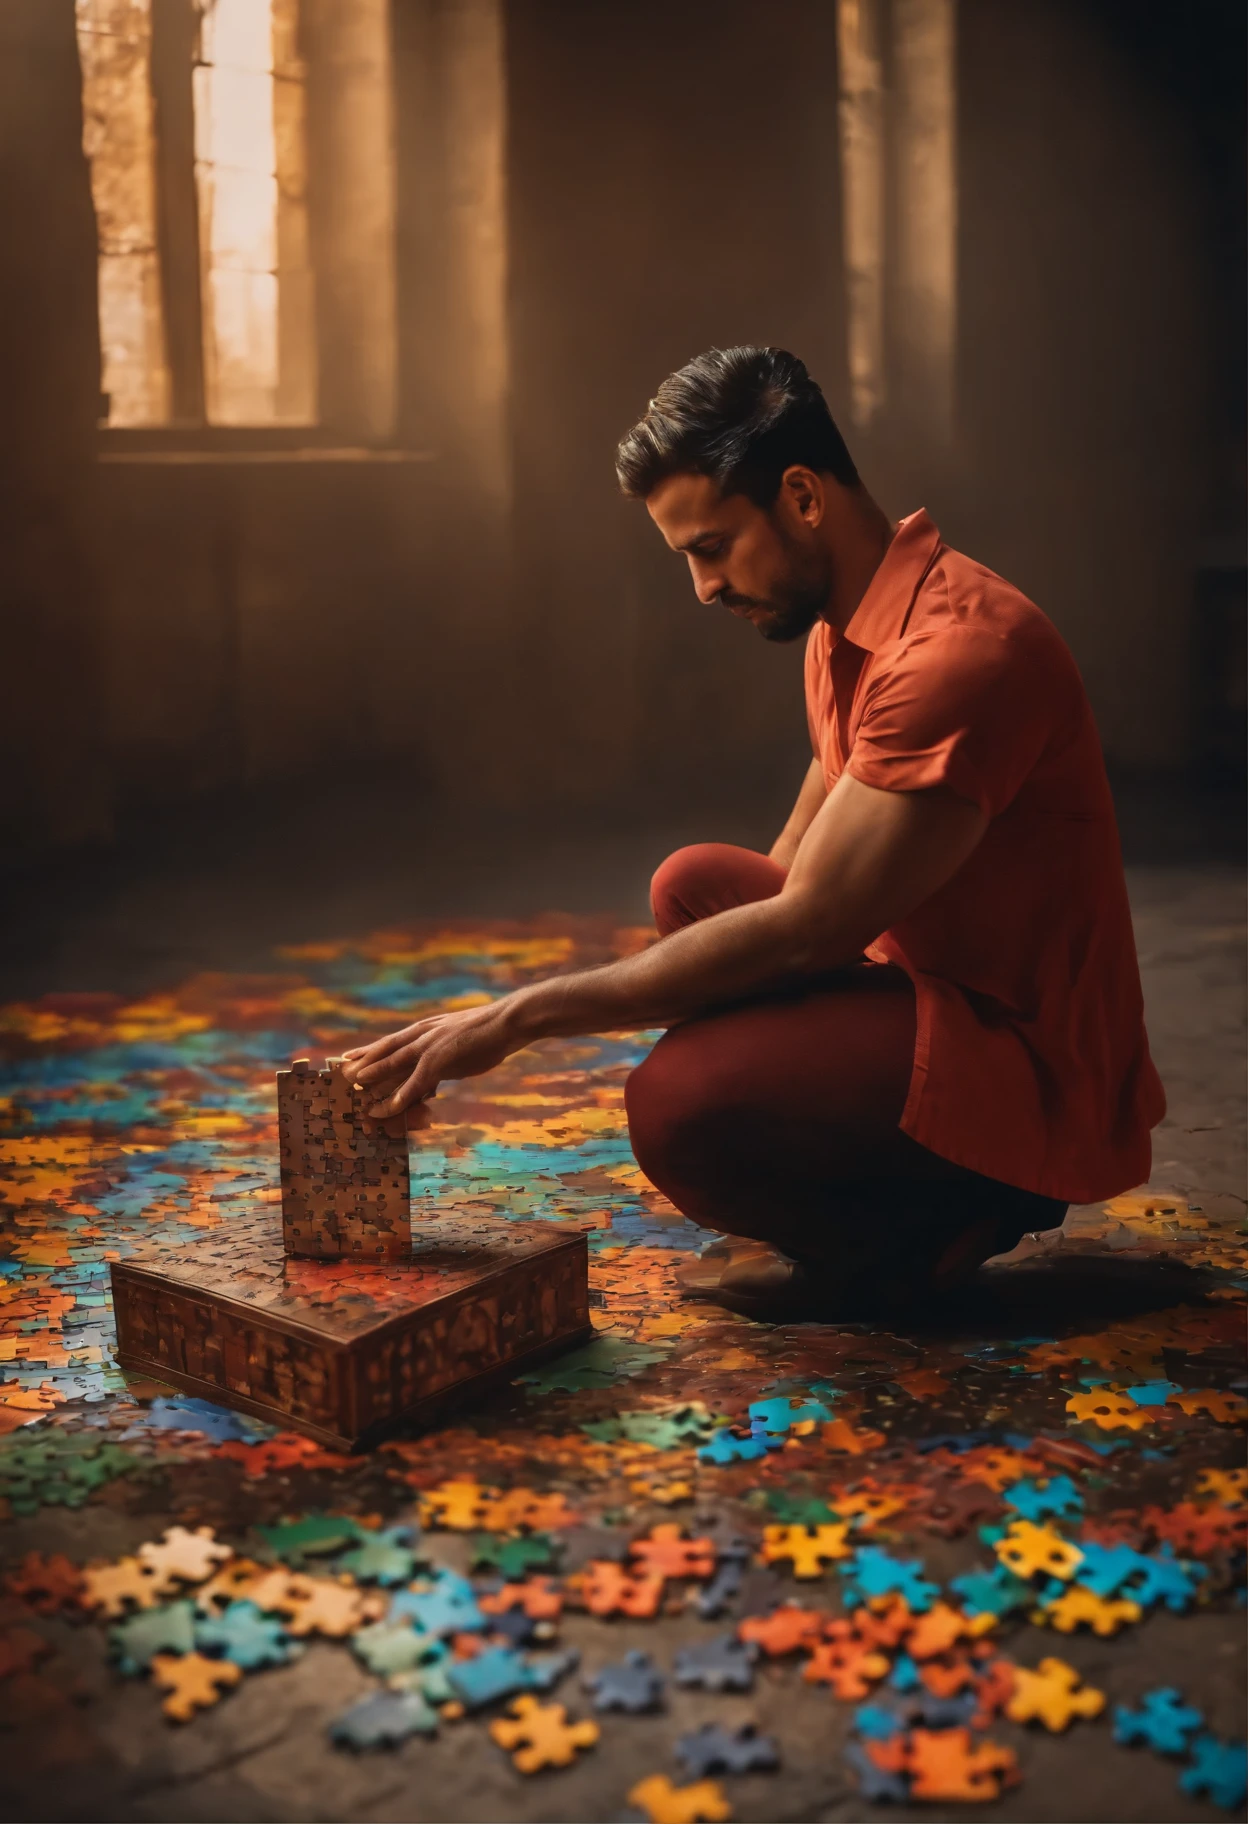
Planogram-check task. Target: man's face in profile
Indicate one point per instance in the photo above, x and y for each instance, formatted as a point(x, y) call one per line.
point(765, 563)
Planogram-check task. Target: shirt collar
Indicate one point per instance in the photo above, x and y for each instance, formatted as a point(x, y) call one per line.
point(882, 613)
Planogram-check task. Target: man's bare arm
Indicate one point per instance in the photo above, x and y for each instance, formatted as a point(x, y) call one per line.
point(803, 814)
point(868, 858)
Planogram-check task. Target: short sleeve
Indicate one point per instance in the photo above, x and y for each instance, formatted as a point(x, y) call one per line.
point(960, 707)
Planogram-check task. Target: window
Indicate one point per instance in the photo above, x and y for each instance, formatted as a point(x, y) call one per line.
point(196, 127)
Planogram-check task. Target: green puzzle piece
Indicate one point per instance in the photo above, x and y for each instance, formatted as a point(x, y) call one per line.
point(598, 1364)
point(514, 1558)
point(136, 1642)
point(315, 1536)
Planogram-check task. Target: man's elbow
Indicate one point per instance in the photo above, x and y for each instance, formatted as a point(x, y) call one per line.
point(814, 937)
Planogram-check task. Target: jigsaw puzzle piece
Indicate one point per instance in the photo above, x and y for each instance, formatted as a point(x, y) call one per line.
point(663, 1803)
point(634, 1684)
point(1052, 1695)
point(193, 1682)
point(383, 1720)
point(1219, 1772)
point(1163, 1720)
point(722, 1664)
point(245, 1636)
point(540, 1735)
point(714, 1749)
point(136, 1641)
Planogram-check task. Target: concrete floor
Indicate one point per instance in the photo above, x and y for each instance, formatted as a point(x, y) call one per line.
point(220, 899)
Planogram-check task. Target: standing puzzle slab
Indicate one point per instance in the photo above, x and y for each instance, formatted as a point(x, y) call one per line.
point(347, 1348)
point(345, 1185)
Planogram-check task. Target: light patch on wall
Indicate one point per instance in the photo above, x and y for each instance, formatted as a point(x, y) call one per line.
point(250, 172)
point(114, 45)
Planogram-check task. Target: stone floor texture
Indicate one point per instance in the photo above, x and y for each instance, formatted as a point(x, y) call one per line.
point(862, 1545)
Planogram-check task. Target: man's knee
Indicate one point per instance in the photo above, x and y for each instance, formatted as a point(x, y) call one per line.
point(708, 877)
point(678, 1124)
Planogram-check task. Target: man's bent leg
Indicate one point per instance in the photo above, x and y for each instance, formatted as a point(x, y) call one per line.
point(778, 1120)
point(709, 877)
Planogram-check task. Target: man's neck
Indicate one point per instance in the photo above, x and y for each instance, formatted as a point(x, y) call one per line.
point(858, 534)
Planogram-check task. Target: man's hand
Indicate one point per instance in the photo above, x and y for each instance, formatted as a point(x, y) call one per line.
point(406, 1067)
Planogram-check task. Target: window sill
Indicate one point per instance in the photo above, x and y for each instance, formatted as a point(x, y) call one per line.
point(185, 458)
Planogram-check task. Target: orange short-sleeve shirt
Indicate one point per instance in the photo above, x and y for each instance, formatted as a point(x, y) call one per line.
point(1031, 1061)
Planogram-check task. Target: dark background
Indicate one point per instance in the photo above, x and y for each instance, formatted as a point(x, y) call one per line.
point(350, 673)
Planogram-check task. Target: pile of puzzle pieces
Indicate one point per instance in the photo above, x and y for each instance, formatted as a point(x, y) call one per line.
point(918, 1533)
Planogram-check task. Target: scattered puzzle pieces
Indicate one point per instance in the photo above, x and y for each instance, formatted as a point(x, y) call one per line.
point(1110, 1409)
point(1163, 1720)
point(666, 1552)
point(945, 1765)
point(714, 1749)
point(663, 1803)
point(45, 1584)
point(722, 1664)
point(604, 1589)
point(1219, 1772)
point(1052, 1695)
point(184, 1556)
point(1078, 1607)
point(808, 1548)
point(193, 1682)
point(383, 1720)
point(539, 1735)
point(634, 1684)
point(1032, 1551)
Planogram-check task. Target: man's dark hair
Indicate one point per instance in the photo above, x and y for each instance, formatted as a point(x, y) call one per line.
point(740, 415)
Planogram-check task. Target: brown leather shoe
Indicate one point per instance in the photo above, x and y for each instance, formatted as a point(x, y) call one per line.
point(759, 1282)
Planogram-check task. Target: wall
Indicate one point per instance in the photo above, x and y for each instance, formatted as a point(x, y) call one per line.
point(589, 194)
point(675, 186)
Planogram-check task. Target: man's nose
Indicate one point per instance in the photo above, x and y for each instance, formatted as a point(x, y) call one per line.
point(708, 584)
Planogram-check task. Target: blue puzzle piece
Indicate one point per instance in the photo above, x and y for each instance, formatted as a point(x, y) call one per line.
point(1161, 1577)
point(1106, 1568)
point(714, 1597)
point(779, 1414)
point(994, 1592)
point(726, 1447)
point(722, 1664)
point(1162, 1720)
point(905, 1674)
point(498, 1672)
point(383, 1720)
point(873, 1782)
point(544, 1670)
point(214, 1422)
point(1219, 1771)
point(246, 1637)
point(714, 1749)
point(448, 1606)
point(1153, 1393)
point(634, 1684)
point(873, 1573)
point(1038, 1501)
point(877, 1723)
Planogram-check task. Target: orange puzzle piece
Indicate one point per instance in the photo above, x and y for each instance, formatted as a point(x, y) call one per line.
point(943, 1764)
point(192, 1681)
point(786, 1630)
point(1051, 1695)
point(539, 1735)
point(663, 1803)
point(850, 1667)
point(604, 1589)
point(808, 1548)
point(665, 1552)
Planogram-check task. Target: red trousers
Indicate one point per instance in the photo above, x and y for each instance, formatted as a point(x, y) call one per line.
point(777, 1118)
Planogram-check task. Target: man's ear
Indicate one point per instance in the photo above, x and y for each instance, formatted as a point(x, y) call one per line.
point(802, 490)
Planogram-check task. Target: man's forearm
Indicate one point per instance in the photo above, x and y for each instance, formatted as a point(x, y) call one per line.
point(746, 950)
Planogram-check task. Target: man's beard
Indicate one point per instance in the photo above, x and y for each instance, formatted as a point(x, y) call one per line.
point(788, 619)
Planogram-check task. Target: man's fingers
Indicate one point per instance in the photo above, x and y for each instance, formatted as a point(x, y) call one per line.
point(415, 1089)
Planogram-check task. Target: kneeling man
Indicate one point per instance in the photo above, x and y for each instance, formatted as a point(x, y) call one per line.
point(914, 1031)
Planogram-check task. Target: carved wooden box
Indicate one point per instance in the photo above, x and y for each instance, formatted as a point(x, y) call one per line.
point(346, 1349)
